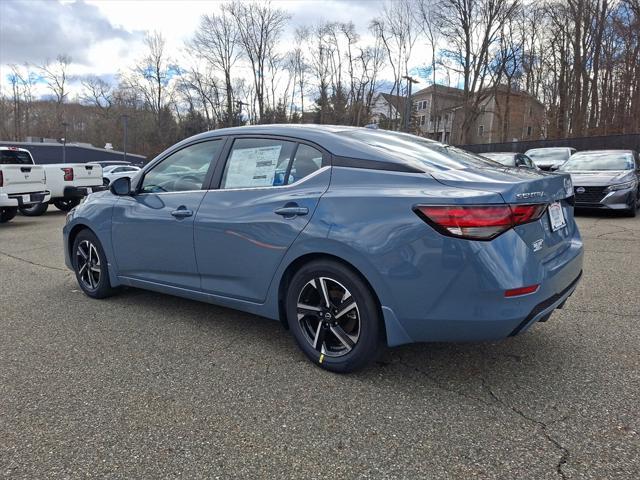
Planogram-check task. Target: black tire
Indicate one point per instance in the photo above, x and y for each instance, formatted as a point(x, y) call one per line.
point(34, 210)
point(362, 323)
point(66, 204)
point(7, 214)
point(92, 275)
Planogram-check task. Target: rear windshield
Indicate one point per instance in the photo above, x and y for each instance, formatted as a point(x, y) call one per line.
point(548, 154)
point(426, 153)
point(599, 161)
point(503, 158)
point(15, 157)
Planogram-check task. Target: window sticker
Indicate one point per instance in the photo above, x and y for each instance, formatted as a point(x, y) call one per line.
point(252, 167)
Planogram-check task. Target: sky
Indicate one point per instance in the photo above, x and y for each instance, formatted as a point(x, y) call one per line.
point(106, 36)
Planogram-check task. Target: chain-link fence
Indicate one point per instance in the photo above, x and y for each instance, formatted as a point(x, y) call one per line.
point(626, 142)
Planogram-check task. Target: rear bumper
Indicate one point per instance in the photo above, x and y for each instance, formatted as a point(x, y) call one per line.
point(462, 298)
point(24, 199)
point(542, 311)
point(80, 192)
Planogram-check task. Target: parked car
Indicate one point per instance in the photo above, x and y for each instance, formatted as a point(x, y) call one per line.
point(68, 184)
point(606, 179)
point(369, 237)
point(107, 163)
point(111, 172)
point(550, 158)
point(21, 182)
point(511, 159)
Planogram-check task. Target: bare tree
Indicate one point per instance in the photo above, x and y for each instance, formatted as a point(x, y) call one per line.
point(471, 28)
point(259, 26)
point(216, 41)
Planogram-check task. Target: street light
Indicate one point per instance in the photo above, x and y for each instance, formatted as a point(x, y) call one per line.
point(408, 107)
point(64, 143)
point(125, 124)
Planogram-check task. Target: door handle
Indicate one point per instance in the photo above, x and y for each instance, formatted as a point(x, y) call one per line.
point(292, 211)
point(182, 212)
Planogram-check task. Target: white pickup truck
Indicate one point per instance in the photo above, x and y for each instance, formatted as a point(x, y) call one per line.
point(22, 184)
point(68, 183)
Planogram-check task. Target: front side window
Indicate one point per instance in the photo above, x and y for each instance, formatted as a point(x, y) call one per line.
point(257, 162)
point(183, 170)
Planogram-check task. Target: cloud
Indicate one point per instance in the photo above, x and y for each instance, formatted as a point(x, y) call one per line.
point(38, 30)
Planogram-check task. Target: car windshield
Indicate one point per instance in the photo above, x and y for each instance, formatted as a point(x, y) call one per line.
point(595, 161)
point(427, 153)
point(502, 158)
point(15, 157)
point(548, 154)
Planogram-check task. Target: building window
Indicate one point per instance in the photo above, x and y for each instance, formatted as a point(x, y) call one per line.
point(422, 104)
point(423, 119)
point(529, 130)
point(447, 137)
point(446, 118)
point(480, 130)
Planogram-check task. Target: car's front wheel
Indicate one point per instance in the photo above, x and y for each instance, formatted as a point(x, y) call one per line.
point(334, 316)
point(66, 204)
point(90, 265)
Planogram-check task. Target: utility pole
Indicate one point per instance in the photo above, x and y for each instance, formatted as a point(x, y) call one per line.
point(239, 104)
point(408, 108)
point(64, 143)
point(125, 124)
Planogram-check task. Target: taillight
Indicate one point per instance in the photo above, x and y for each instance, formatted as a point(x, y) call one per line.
point(478, 222)
point(68, 174)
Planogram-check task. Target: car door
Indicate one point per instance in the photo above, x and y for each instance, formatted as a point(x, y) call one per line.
point(268, 191)
point(152, 230)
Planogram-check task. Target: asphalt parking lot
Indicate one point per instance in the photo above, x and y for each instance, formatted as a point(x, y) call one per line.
point(143, 385)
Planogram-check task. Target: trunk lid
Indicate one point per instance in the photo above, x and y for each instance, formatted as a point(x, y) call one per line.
point(525, 186)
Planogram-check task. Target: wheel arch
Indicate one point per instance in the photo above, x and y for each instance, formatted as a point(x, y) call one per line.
point(302, 260)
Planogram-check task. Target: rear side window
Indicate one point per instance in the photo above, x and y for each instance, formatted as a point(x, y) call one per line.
point(306, 161)
point(257, 162)
point(183, 170)
point(15, 157)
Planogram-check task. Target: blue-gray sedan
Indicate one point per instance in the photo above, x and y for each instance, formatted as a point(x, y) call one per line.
point(353, 238)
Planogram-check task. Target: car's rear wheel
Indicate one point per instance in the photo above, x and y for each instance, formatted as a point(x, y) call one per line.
point(66, 204)
point(90, 265)
point(7, 214)
point(34, 210)
point(334, 316)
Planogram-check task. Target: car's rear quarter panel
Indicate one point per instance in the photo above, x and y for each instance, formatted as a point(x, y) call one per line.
point(439, 288)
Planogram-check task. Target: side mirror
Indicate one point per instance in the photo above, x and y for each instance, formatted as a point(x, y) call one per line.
point(121, 186)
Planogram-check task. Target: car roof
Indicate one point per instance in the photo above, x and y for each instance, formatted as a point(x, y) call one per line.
point(326, 136)
point(606, 151)
point(15, 149)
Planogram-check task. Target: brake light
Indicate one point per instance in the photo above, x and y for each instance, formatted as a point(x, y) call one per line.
point(68, 174)
point(478, 222)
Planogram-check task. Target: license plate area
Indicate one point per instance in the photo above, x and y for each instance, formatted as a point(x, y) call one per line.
point(556, 216)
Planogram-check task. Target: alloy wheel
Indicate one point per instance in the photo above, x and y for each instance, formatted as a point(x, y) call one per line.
point(329, 316)
point(88, 264)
